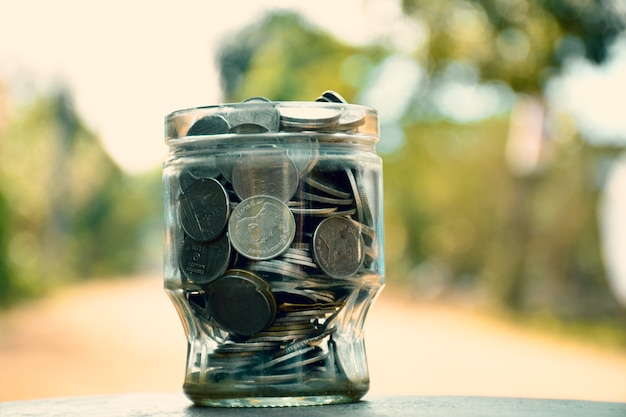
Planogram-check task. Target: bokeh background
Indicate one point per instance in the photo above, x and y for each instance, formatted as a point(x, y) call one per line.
point(503, 136)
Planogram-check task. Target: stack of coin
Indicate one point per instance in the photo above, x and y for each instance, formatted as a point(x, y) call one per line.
point(275, 242)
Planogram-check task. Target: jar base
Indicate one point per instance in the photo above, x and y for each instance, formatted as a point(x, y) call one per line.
point(258, 402)
point(276, 397)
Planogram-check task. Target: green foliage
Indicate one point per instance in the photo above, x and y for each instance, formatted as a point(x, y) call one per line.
point(531, 242)
point(285, 58)
point(521, 42)
point(67, 211)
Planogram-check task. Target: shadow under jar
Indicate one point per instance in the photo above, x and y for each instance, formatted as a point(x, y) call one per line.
point(273, 249)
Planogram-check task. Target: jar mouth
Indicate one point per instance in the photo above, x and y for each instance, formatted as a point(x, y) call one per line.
point(333, 122)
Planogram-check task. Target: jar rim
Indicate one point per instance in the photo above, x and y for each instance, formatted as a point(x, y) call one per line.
point(263, 117)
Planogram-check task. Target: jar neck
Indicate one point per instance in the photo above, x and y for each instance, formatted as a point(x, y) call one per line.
point(336, 142)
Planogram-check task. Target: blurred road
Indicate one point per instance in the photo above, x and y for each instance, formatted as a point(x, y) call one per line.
point(120, 336)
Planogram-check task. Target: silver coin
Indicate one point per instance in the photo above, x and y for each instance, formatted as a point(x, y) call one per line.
point(282, 327)
point(279, 268)
point(328, 189)
point(338, 247)
point(308, 117)
point(293, 250)
point(283, 357)
point(344, 213)
point(327, 200)
point(315, 212)
point(270, 172)
point(261, 227)
point(292, 295)
point(317, 357)
point(311, 341)
point(350, 119)
point(299, 260)
point(321, 296)
point(233, 347)
point(303, 246)
point(289, 321)
point(293, 333)
point(259, 113)
point(248, 129)
point(276, 338)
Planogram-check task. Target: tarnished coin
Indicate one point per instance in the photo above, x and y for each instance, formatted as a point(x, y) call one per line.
point(338, 247)
point(189, 175)
point(266, 173)
point(241, 302)
point(204, 209)
point(209, 125)
point(202, 262)
point(261, 227)
point(331, 96)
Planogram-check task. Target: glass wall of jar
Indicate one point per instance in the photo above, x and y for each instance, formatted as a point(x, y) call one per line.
point(273, 248)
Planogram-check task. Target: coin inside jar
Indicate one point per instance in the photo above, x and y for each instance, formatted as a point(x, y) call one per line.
point(202, 262)
point(241, 302)
point(204, 209)
point(338, 247)
point(209, 125)
point(261, 227)
point(256, 115)
point(268, 173)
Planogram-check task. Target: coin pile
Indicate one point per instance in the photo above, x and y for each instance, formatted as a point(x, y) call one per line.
point(275, 242)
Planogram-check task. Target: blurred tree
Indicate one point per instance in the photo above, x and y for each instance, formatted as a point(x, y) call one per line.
point(6, 278)
point(286, 58)
point(68, 211)
point(505, 205)
point(532, 262)
point(521, 42)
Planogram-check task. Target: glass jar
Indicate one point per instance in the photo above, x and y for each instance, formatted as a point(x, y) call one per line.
point(273, 249)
